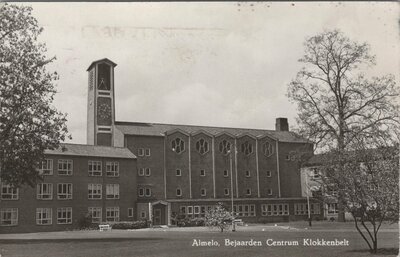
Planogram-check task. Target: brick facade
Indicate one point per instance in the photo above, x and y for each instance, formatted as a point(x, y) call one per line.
point(164, 168)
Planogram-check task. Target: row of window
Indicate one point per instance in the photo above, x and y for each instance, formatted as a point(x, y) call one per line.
point(224, 147)
point(225, 172)
point(44, 216)
point(44, 191)
point(65, 168)
point(302, 208)
point(275, 209)
point(178, 172)
point(203, 192)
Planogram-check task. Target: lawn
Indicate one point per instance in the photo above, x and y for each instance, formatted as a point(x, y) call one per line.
point(180, 242)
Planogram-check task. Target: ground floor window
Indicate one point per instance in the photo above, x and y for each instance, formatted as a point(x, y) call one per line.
point(130, 212)
point(112, 214)
point(9, 217)
point(332, 208)
point(302, 208)
point(95, 213)
point(275, 209)
point(245, 210)
point(43, 216)
point(195, 211)
point(64, 215)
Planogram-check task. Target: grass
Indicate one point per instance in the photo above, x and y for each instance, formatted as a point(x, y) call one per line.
point(178, 242)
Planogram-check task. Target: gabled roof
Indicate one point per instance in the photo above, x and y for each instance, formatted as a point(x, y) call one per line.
point(102, 60)
point(159, 129)
point(92, 151)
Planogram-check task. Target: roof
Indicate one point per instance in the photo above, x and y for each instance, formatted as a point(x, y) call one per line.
point(102, 60)
point(92, 151)
point(159, 129)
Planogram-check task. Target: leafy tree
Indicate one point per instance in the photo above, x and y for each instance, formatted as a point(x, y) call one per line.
point(218, 217)
point(29, 124)
point(336, 102)
point(370, 192)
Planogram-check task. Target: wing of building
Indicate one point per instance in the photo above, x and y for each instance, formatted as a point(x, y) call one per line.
point(130, 171)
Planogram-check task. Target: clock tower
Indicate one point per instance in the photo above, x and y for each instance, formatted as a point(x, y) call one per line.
point(101, 106)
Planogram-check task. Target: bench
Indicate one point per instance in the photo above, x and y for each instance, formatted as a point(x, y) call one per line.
point(239, 222)
point(104, 227)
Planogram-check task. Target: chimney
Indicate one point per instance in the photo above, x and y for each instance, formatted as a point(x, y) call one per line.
point(281, 124)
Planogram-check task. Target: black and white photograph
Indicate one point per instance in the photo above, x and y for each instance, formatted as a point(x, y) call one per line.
point(199, 129)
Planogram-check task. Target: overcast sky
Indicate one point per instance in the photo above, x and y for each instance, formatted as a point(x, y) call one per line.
point(217, 64)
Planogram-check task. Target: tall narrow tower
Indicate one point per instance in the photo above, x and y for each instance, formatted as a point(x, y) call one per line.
point(101, 106)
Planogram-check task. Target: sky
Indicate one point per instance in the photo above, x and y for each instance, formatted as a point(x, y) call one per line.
point(215, 64)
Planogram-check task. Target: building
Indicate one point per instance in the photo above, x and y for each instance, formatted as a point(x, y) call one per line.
point(164, 170)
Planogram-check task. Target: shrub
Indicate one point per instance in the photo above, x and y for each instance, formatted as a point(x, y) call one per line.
point(85, 221)
point(130, 224)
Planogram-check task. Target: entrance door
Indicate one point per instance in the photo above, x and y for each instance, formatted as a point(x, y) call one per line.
point(157, 217)
point(159, 214)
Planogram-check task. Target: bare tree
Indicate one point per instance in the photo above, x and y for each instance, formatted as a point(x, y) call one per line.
point(29, 124)
point(337, 103)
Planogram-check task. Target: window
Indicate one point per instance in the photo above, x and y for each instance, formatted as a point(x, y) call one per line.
point(275, 209)
point(224, 147)
point(143, 214)
point(196, 209)
point(130, 212)
point(178, 145)
point(203, 192)
point(43, 216)
point(140, 152)
point(141, 192)
point(183, 209)
point(269, 191)
point(300, 209)
point(112, 214)
point(65, 167)
point(267, 149)
point(112, 191)
point(287, 157)
point(226, 173)
point(112, 169)
point(141, 172)
point(8, 192)
point(269, 174)
point(46, 167)
point(148, 172)
point(314, 208)
point(64, 191)
point(95, 213)
point(246, 148)
point(178, 172)
point(178, 192)
point(202, 146)
point(64, 215)
point(148, 191)
point(226, 191)
point(332, 208)
point(202, 173)
point(190, 210)
point(248, 191)
point(44, 191)
point(94, 168)
point(9, 217)
point(245, 210)
point(147, 151)
point(94, 191)
point(248, 174)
